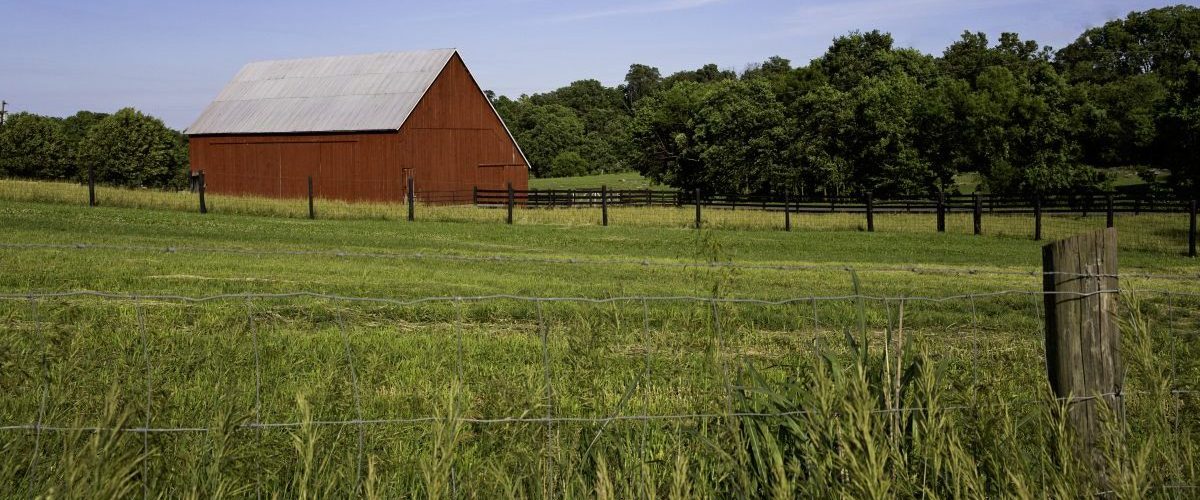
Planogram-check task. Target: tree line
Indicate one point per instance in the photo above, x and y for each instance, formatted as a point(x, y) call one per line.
point(868, 116)
point(126, 148)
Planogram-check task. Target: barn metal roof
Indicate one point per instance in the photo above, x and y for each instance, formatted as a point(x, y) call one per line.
point(323, 94)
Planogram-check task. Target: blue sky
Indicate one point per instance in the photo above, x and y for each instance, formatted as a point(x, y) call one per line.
point(170, 58)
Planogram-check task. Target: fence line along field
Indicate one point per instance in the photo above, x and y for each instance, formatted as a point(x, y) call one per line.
point(1163, 226)
point(163, 352)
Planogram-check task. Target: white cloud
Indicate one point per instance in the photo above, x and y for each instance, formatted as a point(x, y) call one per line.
point(637, 8)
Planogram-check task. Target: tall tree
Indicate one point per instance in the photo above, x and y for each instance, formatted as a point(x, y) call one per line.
point(33, 146)
point(1161, 41)
point(130, 148)
point(640, 82)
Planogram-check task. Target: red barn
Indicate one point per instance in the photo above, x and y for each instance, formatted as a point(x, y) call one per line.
point(360, 126)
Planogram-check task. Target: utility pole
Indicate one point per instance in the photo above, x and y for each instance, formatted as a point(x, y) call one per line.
point(3, 111)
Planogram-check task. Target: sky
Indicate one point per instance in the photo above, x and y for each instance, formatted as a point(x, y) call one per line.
point(170, 58)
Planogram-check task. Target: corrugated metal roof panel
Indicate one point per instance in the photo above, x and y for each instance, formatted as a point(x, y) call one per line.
point(323, 94)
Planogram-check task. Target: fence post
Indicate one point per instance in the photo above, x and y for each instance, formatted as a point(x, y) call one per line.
point(697, 208)
point(1037, 218)
point(941, 212)
point(1109, 202)
point(604, 204)
point(870, 212)
point(312, 213)
point(203, 206)
point(412, 198)
point(510, 202)
point(787, 211)
point(475, 195)
point(91, 186)
point(1083, 340)
point(978, 215)
point(1192, 231)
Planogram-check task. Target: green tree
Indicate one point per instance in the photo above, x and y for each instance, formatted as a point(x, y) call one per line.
point(130, 148)
point(33, 146)
point(663, 133)
point(640, 81)
point(857, 56)
point(544, 132)
point(1178, 140)
point(741, 137)
point(1161, 41)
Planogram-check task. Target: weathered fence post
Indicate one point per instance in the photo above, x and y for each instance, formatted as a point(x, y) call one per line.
point(1083, 340)
point(941, 212)
point(1192, 230)
point(91, 186)
point(604, 204)
point(1037, 218)
point(787, 211)
point(978, 215)
point(697, 208)
point(510, 202)
point(412, 198)
point(1109, 202)
point(870, 213)
point(203, 206)
point(312, 213)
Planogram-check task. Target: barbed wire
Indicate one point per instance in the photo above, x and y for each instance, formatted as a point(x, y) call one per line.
point(535, 299)
point(559, 419)
point(645, 262)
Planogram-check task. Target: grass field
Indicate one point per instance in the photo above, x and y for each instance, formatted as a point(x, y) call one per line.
point(864, 390)
point(619, 180)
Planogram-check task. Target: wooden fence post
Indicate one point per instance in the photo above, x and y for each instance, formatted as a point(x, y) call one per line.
point(1037, 218)
point(787, 211)
point(203, 206)
point(475, 195)
point(941, 212)
point(412, 198)
point(978, 215)
point(1192, 230)
point(697, 208)
point(870, 213)
point(604, 204)
point(91, 186)
point(312, 213)
point(510, 202)
point(1109, 202)
point(1083, 340)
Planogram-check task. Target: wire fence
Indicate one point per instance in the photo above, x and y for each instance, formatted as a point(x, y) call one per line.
point(583, 261)
point(538, 382)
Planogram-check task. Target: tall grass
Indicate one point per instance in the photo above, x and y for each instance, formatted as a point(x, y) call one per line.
point(877, 402)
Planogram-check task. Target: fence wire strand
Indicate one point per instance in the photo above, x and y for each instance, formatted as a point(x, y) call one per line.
point(510, 258)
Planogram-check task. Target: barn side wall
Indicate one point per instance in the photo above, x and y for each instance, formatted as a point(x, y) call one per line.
point(452, 142)
point(357, 167)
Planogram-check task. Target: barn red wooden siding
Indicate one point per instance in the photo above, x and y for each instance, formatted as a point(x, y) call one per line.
point(452, 142)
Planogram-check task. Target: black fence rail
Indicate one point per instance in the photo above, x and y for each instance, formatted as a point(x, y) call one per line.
point(596, 197)
point(977, 205)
